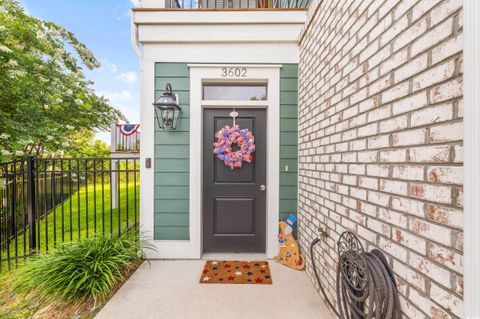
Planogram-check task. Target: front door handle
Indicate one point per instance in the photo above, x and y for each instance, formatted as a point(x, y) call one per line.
point(263, 187)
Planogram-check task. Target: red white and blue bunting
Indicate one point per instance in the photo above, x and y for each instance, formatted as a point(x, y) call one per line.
point(128, 129)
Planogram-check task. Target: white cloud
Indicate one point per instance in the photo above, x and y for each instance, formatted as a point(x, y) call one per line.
point(123, 95)
point(131, 112)
point(112, 67)
point(108, 66)
point(135, 3)
point(128, 77)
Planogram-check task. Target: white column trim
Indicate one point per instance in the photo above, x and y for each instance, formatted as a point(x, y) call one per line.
point(163, 248)
point(147, 142)
point(472, 159)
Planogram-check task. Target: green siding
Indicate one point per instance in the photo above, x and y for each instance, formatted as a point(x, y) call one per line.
point(288, 139)
point(171, 192)
point(171, 218)
point(170, 232)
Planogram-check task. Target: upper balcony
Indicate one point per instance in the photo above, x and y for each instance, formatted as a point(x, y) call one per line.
point(125, 139)
point(225, 4)
point(218, 31)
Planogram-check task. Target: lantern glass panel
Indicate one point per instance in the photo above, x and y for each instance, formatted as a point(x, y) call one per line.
point(168, 116)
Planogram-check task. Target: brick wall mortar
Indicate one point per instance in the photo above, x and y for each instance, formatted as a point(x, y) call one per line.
point(381, 144)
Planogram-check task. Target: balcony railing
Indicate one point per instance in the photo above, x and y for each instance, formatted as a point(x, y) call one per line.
point(125, 138)
point(236, 4)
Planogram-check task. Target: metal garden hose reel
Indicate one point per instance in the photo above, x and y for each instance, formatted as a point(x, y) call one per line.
point(365, 283)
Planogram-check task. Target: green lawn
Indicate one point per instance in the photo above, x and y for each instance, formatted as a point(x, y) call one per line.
point(78, 217)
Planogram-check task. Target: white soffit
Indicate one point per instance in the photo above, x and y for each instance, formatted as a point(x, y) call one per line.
point(163, 27)
point(228, 53)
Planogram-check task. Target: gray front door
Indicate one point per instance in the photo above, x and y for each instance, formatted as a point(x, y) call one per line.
point(234, 204)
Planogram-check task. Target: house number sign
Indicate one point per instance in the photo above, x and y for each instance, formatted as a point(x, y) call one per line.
point(234, 72)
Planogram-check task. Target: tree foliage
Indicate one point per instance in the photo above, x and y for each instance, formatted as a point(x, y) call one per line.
point(84, 144)
point(44, 95)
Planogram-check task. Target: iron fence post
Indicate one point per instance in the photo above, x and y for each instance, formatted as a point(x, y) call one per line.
point(31, 206)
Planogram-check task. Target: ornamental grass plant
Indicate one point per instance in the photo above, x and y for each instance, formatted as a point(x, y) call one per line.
point(88, 268)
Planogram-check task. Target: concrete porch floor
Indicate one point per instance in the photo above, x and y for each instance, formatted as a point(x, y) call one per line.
point(170, 289)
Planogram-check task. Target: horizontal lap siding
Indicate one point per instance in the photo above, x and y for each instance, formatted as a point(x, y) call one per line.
point(171, 218)
point(288, 139)
point(172, 152)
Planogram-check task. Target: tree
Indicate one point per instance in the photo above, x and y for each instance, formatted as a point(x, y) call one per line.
point(84, 144)
point(44, 95)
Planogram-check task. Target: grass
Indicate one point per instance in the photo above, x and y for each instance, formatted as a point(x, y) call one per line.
point(15, 304)
point(87, 218)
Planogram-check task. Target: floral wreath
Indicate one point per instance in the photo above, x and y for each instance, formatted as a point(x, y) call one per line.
point(229, 136)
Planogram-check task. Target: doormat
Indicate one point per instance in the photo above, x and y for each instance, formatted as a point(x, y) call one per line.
point(236, 272)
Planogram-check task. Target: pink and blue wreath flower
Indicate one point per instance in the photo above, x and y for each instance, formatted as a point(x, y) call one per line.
point(227, 137)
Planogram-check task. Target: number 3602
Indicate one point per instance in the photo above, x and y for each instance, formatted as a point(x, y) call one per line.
point(234, 72)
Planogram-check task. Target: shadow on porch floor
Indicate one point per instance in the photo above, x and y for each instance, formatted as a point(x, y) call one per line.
point(170, 289)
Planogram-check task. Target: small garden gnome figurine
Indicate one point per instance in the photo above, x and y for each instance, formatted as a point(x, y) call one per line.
point(289, 251)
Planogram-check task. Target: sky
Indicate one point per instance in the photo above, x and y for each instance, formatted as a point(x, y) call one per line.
point(104, 27)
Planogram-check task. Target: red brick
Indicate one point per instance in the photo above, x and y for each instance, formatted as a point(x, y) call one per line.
point(434, 193)
point(430, 154)
point(434, 232)
point(408, 172)
point(431, 270)
point(446, 91)
point(407, 239)
point(446, 132)
point(445, 174)
point(445, 215)
point(445, 257)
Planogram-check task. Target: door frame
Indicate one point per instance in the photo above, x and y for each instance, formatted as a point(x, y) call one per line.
point(199, 74)
point(250, 190)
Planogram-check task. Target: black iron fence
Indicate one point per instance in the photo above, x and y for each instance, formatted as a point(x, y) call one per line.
point(46, 201)
point(237, 4)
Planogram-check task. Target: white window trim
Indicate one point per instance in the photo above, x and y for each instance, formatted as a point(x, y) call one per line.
point(223, 104)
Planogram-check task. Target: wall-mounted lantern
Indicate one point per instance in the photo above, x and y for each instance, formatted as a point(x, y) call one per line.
point(167, 110)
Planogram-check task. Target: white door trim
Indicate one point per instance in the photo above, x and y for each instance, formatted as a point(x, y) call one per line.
point(472, 158)
point(200, 73)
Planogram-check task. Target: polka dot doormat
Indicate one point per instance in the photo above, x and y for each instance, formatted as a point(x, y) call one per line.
point(236, 272)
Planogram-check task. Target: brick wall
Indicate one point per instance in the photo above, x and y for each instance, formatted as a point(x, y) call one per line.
point(380, 141)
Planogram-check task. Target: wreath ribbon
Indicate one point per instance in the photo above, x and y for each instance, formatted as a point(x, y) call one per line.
point(227, 137)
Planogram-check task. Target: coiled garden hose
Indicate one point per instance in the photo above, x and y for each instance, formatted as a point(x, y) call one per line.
point(366, 285)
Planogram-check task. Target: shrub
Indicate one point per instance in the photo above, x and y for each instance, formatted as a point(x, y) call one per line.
point(81, 269)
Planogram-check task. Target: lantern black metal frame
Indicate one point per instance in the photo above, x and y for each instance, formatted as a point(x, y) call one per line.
point(167, 110)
